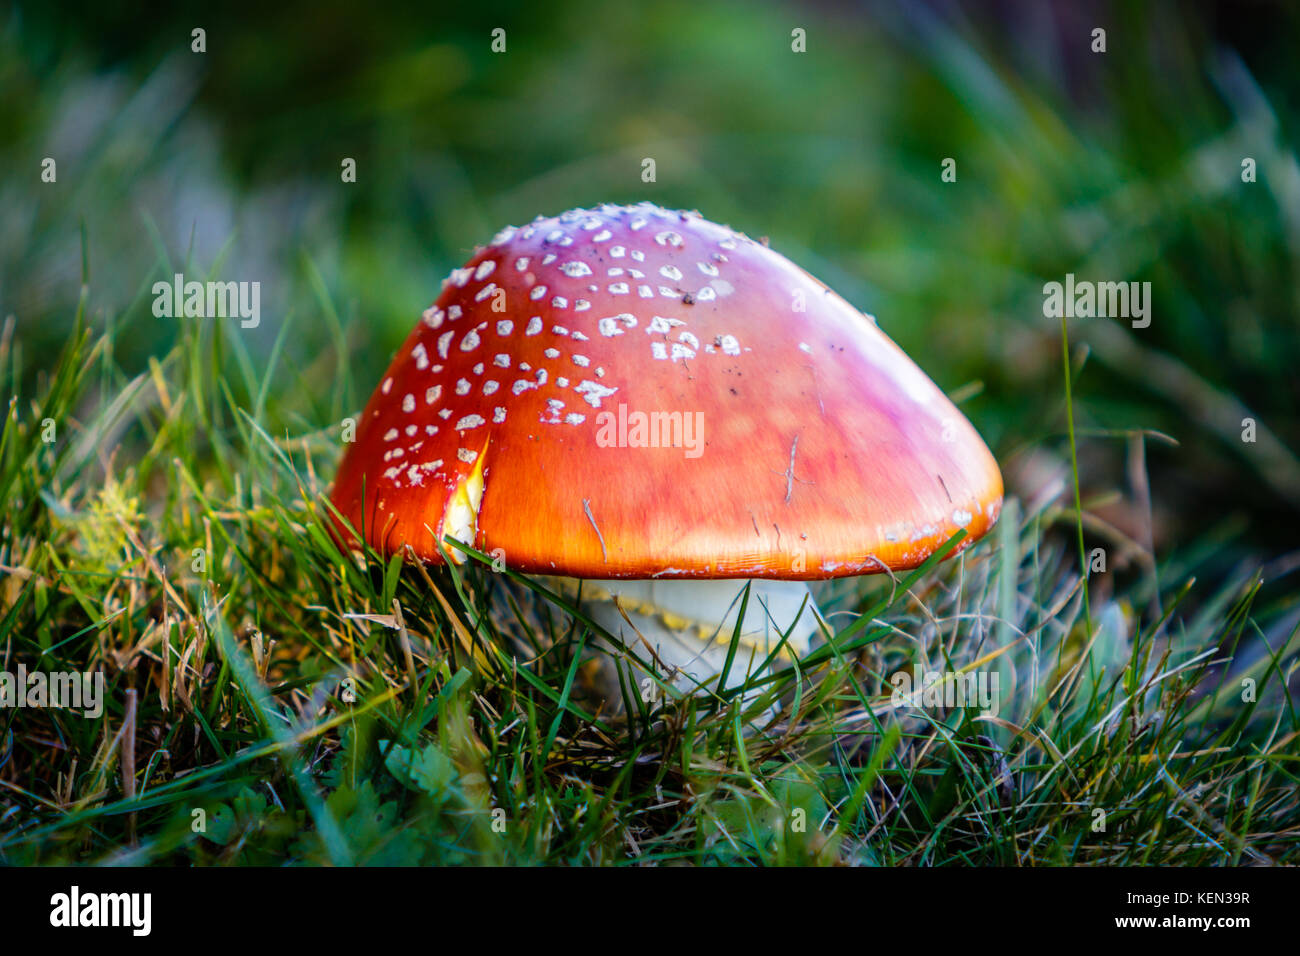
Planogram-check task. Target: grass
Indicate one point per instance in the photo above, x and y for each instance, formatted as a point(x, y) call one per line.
point(272, 700)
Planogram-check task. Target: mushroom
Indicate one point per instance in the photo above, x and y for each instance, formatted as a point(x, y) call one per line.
point(662, 408)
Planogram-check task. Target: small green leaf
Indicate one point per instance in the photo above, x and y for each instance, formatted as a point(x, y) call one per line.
point(429, 770)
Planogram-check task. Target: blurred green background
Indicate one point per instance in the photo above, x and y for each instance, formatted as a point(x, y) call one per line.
point(1116, 166)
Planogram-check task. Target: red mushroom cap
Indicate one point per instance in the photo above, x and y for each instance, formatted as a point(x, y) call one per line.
point(520, 415)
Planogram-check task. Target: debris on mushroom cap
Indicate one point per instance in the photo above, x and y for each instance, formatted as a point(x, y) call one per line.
point(634, 392)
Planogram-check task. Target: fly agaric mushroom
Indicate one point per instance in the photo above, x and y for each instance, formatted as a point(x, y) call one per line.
point(656, 405)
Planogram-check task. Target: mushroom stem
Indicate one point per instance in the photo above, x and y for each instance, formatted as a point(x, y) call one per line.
point(689, 624)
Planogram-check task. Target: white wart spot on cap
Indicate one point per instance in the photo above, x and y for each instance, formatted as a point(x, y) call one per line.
point(609, 326)
point(593, 392)
point(662, 324)
point(554, 406)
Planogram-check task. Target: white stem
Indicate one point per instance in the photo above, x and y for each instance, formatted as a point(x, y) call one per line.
point(689, 623)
